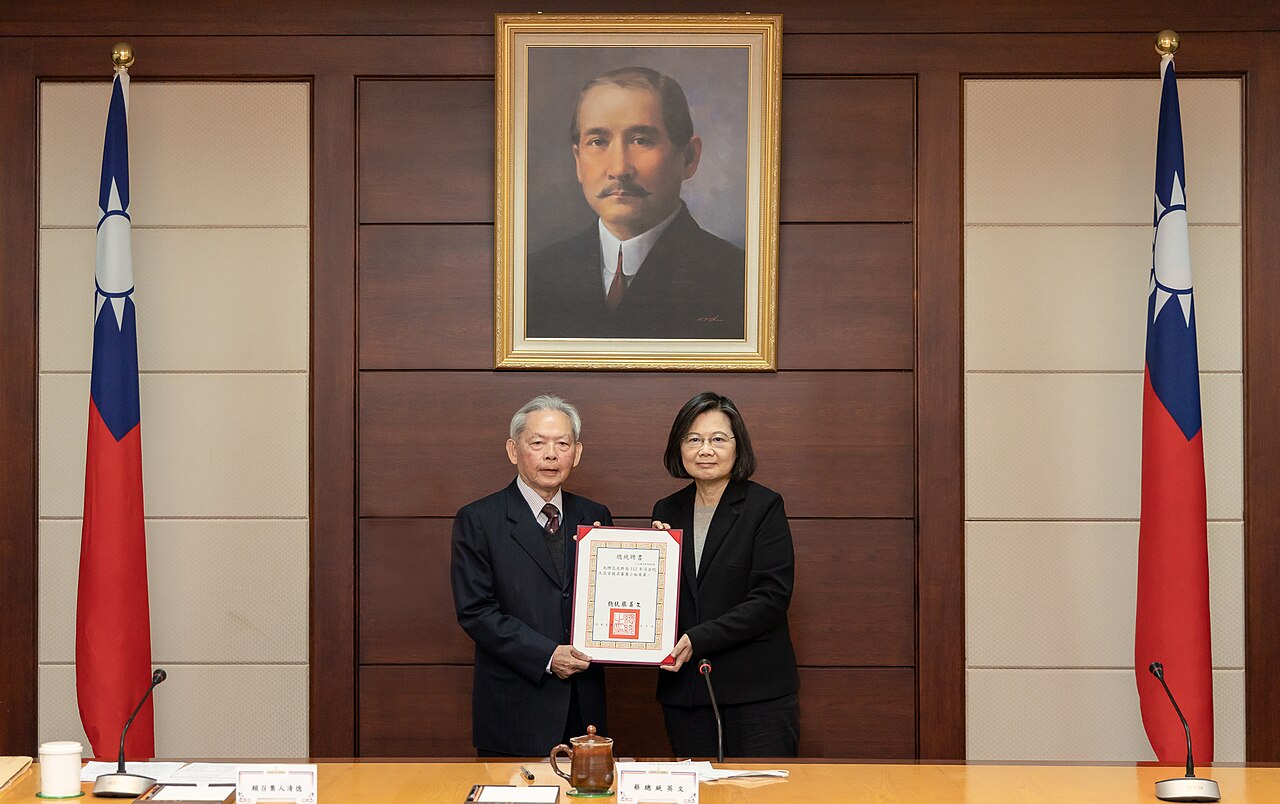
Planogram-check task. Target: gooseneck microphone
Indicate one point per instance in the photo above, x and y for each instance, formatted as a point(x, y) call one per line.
point(1189, 787)
point(704, 667)
point(121, 784)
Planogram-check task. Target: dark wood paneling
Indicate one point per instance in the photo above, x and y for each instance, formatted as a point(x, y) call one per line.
point(1262, 400)
point(635, 716)
point(425, 710)
point(862, 713)
point(18, 402)
point(426, 151)
point(332, 459)
point(862, 277)
point(834, 444)
point(160, 17)
point(415, 711)
point(848, 152)
point(426, 297)
point(940, 423)
point(854, 602)
point(406, 606)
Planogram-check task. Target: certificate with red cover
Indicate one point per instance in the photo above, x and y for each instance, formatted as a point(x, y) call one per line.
point(626, 593)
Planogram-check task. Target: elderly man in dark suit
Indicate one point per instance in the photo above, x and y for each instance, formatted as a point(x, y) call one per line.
point(512, 574)
point(647, 269)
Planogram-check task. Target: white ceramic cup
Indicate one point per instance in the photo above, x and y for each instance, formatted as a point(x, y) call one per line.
point(60, 769)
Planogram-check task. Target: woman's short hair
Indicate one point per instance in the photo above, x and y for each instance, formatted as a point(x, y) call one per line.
point(744, 463)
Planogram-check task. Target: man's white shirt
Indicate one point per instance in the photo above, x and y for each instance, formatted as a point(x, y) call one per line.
point(633, 251)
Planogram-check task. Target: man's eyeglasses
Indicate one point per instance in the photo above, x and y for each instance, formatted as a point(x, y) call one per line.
point(717, 441)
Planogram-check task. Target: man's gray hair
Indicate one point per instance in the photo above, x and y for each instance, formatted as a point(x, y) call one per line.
point(545, 402)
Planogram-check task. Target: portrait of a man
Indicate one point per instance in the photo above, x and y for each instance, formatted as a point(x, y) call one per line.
point(636, 194)
point(644, 268)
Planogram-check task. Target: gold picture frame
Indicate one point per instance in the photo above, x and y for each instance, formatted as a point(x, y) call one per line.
point(679, 301)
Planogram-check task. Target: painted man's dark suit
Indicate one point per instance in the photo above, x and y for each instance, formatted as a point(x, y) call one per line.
point(691, 285)
point(513, 603)
point(734, 607)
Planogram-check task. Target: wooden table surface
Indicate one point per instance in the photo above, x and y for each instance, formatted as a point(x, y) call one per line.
point(449, 782)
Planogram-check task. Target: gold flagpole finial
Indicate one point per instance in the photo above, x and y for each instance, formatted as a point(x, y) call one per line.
point(1167, 42)
point(122, 55)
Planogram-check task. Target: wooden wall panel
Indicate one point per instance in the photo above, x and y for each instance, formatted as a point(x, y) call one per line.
point(415, 711)
point(864, 713)
point(848, 149)
point(406, 605)
point(426, 297)
point(18, 404)
point(862, 276)
point(853, 604)
point(834, 443)
point(854, 601)
point(426, 151)
point(395, 17)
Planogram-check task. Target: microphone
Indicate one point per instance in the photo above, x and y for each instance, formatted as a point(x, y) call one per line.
point(121, 784)
point(704, 667)
point(1189, 787)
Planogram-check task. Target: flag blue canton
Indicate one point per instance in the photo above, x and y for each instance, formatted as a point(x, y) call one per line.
point(115, 155)
point(1171, 325)
point(114, 382)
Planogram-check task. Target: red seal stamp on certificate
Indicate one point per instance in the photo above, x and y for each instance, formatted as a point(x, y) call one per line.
point(624, 623)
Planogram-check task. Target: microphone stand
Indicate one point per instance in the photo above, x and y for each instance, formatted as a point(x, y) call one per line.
point(704, 667)
point(1189, 787)
point(121, 784)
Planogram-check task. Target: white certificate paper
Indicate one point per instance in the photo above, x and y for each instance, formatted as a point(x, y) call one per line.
point(626, 594)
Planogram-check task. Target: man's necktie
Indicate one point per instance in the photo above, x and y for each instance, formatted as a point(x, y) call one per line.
point(617, 287)
point(554, 538)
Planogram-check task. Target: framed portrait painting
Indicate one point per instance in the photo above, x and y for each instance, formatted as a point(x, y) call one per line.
point(636, 199)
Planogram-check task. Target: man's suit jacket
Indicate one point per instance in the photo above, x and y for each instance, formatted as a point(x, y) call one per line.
point(734, 608)
point(512, 602)
point(691, 285)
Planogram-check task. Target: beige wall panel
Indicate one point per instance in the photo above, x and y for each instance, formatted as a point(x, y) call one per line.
point(214, 445)
point(1068, 446)
point(1081, 715)
point(1062, 594)
point(221, 590)
point(1073, 298)
point(1083, 151)
point(216, 154)
point(208, 299)
point(210, 711)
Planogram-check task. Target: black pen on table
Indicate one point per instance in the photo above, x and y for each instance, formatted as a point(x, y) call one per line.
point(526, 773)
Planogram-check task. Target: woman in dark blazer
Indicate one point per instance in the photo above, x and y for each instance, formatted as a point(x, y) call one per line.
point(735, 587)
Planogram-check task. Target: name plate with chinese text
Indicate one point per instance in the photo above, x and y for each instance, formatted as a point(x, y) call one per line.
point(276, 783)
point(638, 784)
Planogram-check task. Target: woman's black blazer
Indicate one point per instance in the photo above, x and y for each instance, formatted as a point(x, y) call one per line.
point(735, 608)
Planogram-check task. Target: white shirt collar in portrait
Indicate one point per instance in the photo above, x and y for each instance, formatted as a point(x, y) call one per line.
point(633, 251)
point(536, 502)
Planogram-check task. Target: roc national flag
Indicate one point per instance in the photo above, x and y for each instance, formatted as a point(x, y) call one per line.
point(1172, 624)
point(113, 630)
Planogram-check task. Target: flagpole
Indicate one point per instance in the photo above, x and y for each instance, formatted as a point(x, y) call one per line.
point(1167, 42)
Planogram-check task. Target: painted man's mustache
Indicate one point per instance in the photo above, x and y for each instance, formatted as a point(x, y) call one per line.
point(628, 187)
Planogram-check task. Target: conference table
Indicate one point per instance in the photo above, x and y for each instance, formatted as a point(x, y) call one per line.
point(448, 782)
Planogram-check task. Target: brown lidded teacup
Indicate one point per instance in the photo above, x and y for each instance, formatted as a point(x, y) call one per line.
point(591, 764)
